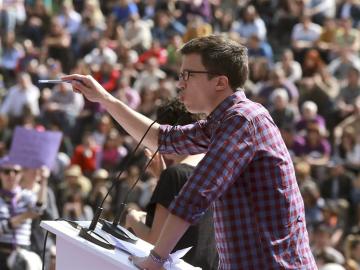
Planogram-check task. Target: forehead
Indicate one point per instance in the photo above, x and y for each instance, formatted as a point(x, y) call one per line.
point(192, 62)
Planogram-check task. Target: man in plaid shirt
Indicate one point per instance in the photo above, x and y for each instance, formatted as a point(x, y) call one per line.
point(247, 174)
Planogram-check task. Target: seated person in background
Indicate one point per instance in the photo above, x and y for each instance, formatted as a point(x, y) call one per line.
point(322, 246)
point(290, 67)
point(257, 49)
point(339, 182)
point(345, 101)
point(309, 112)
point(277, 79)
point(316, 148)
point(281, 112)
point(200, 236)
point(250, 23)
point(352, 248)
point(347, 147)
point(293, 141)
point(340, 66)
point(304, 36)
point(23, 96)
point(347, 37)
point(75, 208)
point(352, 121)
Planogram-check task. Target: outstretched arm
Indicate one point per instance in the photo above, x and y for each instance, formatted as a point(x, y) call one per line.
point(133, 122)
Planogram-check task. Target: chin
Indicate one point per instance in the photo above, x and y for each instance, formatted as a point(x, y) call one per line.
point(190, 110)
point(186, 105)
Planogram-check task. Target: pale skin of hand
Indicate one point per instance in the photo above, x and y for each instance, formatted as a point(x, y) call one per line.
point(43, 176)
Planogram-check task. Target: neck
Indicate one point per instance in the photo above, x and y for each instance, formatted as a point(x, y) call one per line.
point(192, 160)
point(219, 98)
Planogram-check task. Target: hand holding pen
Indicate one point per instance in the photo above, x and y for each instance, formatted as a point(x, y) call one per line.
point(87, 86)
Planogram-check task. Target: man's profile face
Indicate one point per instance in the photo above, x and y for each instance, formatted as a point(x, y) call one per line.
point(196, 89)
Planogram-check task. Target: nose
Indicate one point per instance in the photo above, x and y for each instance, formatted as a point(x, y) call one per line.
point(180, 84)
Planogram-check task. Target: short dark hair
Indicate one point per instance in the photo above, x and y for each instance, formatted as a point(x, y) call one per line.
point(221, 56)
point(173, 112)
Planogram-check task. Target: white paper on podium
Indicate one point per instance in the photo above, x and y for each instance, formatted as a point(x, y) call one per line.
point(142, 251)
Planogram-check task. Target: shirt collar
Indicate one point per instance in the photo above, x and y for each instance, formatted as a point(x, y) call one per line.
point(228, 102)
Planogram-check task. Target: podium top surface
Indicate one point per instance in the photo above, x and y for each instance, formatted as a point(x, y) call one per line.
point(116, 257)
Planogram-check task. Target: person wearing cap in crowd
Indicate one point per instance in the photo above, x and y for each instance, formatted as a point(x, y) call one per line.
point(100, 187)
point(74, 181)
point(17, 209)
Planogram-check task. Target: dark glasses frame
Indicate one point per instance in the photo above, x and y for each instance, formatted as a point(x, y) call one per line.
point(186, 73)
point(8, 171)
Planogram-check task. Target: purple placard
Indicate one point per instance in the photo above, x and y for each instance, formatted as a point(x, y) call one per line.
point(32, 149)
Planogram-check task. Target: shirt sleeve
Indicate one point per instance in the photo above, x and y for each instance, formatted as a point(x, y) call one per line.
point(7, 103)
point(230, 150)
point(189, 139)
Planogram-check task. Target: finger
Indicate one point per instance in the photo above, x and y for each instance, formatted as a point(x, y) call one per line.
point(76, 90)
point(78, 86)
point(148, 153)
point(135, 260)
point(72, 77)
point(83, 79)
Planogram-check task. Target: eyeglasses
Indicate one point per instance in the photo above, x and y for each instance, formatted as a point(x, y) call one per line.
point(9, 171)
point(185, 74)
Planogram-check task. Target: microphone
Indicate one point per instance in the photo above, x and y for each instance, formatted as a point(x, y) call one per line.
point(114, 229)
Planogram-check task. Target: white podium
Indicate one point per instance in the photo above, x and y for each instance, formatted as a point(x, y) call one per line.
point(74, 252)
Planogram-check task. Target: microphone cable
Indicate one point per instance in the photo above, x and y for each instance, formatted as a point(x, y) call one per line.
point(113, 228)
point(118, 231)
point(86, 232)
point(117, 178)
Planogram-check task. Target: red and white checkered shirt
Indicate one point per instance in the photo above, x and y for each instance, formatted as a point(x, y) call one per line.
point(248, 176)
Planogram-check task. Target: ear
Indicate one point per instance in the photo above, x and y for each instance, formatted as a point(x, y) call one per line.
point(222, 83)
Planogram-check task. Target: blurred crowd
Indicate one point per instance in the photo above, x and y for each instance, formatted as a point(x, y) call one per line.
point(304, 58)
